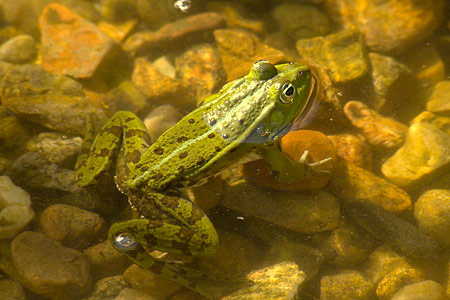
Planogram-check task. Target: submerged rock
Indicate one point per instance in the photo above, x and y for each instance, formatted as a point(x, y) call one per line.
point(346, 285)
point(19, 49)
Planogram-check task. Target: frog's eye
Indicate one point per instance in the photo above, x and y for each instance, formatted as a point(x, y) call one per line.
point(125, 241)
point(287, 93)
point(263, 70)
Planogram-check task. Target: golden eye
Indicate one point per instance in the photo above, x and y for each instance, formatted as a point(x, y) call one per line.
point(287, 93)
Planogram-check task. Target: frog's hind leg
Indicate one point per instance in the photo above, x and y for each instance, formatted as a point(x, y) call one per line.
point(124, 131)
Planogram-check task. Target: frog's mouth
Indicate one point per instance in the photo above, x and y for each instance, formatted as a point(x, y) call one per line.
point(309, 111)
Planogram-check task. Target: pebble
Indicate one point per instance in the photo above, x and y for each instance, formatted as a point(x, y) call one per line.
point(71, 226)
point(439, 100)
point(350, 181)
point(105, 260)
point(307, 212)
point(343, 55)
point(424, 290)
point(156, 87)
point(174, 35)
point(11, 290)
point(57, 148)
point(300, 21)
point(425, 151)
point(160, 119)
point(395, 280)
point(432, 213)
point(15, 210)
point(72, 45)
point(353, 149)
point(294, 144)
point(132, 294)
point(107, 288)
point(200, 70)
point(279, 281)
point(239, 50)
point(125, 96)
point(378, 130)
point(54, 271)
point(19, 49)
point(346, 285)
point(150, 283)
point(409, 21)
point(26, 87)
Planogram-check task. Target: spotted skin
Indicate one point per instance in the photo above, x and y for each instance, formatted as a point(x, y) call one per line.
point(246, 114)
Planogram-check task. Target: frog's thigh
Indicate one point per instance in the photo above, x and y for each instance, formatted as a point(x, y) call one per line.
point(191, 234)
point(123, 129)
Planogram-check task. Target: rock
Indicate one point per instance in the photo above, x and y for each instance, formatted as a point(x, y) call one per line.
point(56, 147)
point(390, 81)
point(308, 212)
point(200, 70)
point(424, 290)
point(126, 96)
point(439, 101)
point(425, 151)
point(156, 13)
point(235, 16)
point(346, 285)
point(382, 261)
point(117, 32)
point(51, 184)
point(174, 35)
point(108, 288)
point(160, 119)
point(156, 87)
point(300, 21)
point(280, 281)
point(53, 271)
point(342, 54)
point(402, 236)
point(378, 130)
point(19, 49)
point(395, 280)
point(345, 246)
point(240, 49)
point(13, 133)
point(294, 144)
point(235, 257)
point(350, 181)
point(353, 149)
point(165, 66)
point(389, 26)
point(15, 210)
point(72, 45)
point(54, 101)
point(105, 260)
point(118, 10)
point(71, 226)
point(441, 122)
point(432, 213)
point(150, 283)
point(11, 290)
point(186, 294)
point(131, 294)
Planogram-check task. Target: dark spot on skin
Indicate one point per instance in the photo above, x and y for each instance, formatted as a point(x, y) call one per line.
point(211, 135)
point(180, 169)
point(191, 121)
point(212, 122)
point(225, 136)
point(200, 161)
point(91, 168)
point(158, 176)
point(134, 132)
point(114, 130)
point(217, 148)
point(143, 169)
point(159, 151)
point(182, 139)
point(129, 119)
point(232, 150)
point(133, 157)
point(183, 155)
point(241, 121)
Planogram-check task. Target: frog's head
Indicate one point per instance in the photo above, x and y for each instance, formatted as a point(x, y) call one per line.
point(290, 92)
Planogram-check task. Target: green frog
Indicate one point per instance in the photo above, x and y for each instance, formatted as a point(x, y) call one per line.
point(247, 114)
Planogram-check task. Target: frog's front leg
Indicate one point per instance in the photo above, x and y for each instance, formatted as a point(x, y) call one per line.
point(287, 170)
point(123, 132)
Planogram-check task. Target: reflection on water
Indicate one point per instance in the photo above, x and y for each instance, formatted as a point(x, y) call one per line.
point(371, 223)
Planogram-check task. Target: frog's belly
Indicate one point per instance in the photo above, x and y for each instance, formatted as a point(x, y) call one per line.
point(192, 182)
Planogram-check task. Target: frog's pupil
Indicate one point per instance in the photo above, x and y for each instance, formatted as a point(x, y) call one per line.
point(290, 91)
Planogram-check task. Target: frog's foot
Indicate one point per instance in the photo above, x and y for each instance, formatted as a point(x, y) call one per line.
point(313, 166)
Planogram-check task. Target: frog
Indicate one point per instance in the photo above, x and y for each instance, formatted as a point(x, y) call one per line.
point(248, 115)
